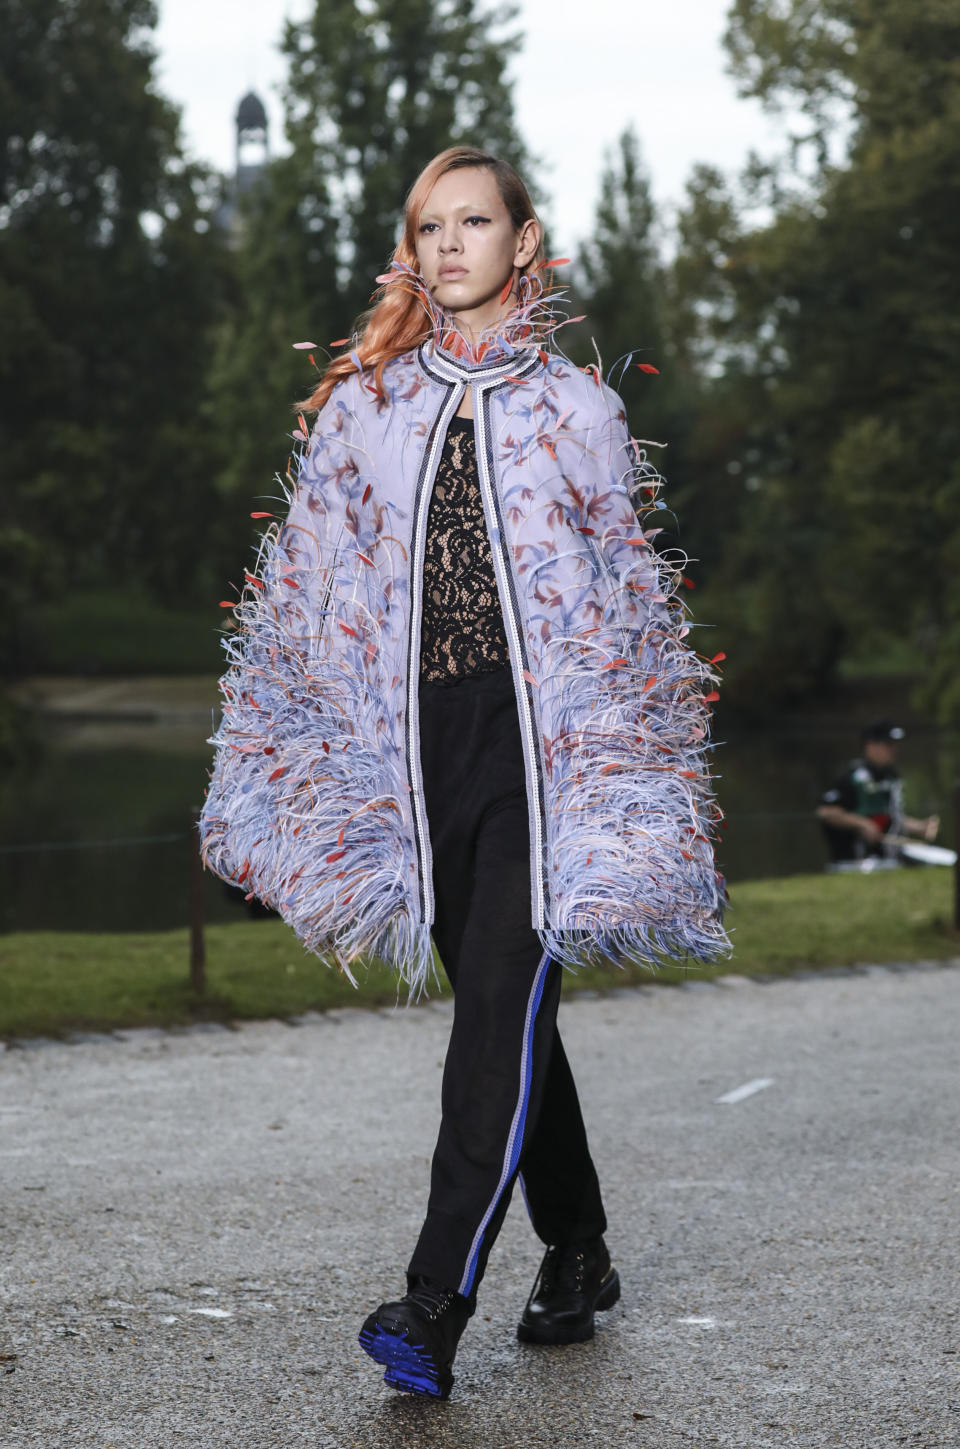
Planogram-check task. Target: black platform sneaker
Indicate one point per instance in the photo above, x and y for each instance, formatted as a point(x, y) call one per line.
point(574, 1281)
point(416, 1338)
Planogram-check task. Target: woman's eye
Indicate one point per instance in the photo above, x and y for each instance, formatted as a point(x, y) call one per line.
point(472, 219)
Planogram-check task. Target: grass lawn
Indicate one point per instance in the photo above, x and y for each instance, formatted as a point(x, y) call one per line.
point(51, 983)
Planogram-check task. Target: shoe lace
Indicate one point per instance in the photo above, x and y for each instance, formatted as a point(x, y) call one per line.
point(431, 1296)
point(564, 1267)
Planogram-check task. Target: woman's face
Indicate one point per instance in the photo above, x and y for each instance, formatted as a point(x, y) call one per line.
point(467, 248)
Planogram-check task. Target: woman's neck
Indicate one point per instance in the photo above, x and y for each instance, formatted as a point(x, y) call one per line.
point(527, 319)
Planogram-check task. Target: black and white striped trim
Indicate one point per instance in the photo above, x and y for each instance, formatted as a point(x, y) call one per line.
point(421, 510)
point(482, 379)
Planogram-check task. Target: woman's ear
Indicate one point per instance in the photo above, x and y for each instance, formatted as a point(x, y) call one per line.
point(528, 240)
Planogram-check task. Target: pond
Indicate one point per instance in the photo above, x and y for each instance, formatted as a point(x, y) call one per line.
point(96, 833)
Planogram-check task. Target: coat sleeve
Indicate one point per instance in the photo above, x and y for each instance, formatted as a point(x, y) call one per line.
point(273, 687)
point(307, 806)
point(641, 880)
point(628, 486)
point(647, 588)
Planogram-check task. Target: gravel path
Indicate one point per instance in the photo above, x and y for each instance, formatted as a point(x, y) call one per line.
point(195, 1224)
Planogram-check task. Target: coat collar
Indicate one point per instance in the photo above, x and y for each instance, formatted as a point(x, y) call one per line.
point(441, 364)
point(513, 345)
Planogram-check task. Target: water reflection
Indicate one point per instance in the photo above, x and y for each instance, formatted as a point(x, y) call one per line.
point(93, 783)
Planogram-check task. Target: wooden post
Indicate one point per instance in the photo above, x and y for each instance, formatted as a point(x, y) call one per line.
point(198, 951)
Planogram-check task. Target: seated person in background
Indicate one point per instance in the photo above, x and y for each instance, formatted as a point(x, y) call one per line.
point(863, 811)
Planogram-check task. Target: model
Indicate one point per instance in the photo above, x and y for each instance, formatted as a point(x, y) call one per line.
point(462, 702)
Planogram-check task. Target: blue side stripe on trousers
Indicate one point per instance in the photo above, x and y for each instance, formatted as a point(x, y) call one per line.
point(515, 1139)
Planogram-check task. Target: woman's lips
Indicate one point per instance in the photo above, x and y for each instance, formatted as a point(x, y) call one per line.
point(451, 273)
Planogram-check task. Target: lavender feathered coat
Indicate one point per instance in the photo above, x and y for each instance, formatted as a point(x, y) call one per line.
point(316, 801)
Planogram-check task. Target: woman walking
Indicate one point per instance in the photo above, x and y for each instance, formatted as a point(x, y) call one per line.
point(460, 703)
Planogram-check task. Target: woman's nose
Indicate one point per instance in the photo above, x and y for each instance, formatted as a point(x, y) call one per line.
point(449, 240)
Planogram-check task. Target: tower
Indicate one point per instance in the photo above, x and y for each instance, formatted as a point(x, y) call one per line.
point(252, 141)
point(252, 155)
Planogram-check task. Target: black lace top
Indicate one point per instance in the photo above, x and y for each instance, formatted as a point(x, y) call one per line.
point(462, 629)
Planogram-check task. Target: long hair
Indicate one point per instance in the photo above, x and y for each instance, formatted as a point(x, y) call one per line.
point(399, 320)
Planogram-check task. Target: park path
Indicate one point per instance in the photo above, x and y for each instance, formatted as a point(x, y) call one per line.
point(194, 1224)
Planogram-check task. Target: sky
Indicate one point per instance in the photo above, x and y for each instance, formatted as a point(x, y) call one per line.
point(586, 70)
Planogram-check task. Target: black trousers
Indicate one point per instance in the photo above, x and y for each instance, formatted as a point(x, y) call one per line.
point(509, 1103)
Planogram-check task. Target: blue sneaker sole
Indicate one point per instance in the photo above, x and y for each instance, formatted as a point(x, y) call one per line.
point(409, 1368)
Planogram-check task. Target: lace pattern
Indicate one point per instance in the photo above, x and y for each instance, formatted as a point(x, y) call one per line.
point(462, 628)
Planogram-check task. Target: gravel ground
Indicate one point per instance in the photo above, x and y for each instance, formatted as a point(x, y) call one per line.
point(194, 1225)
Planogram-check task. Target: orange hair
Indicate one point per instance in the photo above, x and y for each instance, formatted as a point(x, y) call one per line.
point(400, 321)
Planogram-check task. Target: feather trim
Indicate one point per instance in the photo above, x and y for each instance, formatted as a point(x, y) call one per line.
point(633, 813)
point(631, 863)
point(306, 806)
point(537, 313)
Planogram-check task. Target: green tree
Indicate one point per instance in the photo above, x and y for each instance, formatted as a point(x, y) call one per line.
point(378, 87)
point(374, 90)
point(108, 282)
point(709, 363)
point(763, 535)
point(852, 298)
point(647, 308)
point(283, 290)
point(620, 263)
